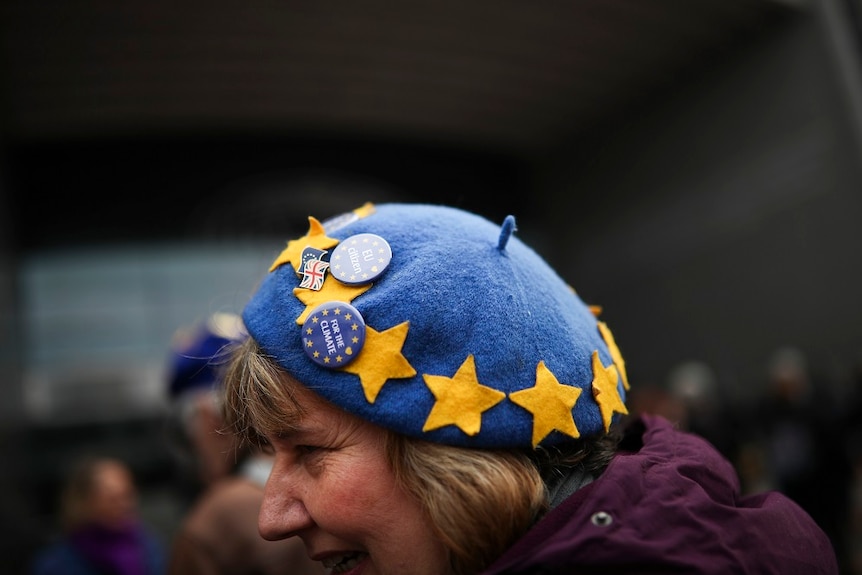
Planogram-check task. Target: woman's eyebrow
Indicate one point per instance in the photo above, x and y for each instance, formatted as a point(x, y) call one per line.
point(294, 432)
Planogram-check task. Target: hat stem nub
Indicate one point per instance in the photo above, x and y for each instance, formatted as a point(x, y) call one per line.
point(506, 232)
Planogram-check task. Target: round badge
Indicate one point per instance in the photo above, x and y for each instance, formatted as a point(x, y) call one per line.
point(333, 334)
point(360, 259)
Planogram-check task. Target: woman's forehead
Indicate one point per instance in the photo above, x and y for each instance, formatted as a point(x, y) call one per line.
point(318, 411)
point(306, 411)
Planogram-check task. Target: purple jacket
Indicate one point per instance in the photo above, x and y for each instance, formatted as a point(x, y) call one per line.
point(671, 506)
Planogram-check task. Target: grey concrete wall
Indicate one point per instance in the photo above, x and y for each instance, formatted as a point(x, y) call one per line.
point(726, 220)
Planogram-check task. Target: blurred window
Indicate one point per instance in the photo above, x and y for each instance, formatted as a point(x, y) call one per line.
point(98, 322)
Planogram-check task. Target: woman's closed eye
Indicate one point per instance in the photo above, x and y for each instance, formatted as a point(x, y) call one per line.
point(307, 449)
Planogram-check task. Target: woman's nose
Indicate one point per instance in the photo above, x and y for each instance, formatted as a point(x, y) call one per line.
point(282, 513)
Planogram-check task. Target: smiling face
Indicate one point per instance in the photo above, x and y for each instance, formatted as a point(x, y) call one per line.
point(332, 486)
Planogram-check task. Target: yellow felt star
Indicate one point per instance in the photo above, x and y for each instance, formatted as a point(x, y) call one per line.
point(381, 359)
point(615, 352)
point(605, 390)
point(315, 238)
point(364, 210)
point(461, 399)
point(331, 291)
point(551, 404)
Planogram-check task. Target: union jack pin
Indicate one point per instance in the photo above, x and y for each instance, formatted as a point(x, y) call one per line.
point(313, 274)
point(308, 254)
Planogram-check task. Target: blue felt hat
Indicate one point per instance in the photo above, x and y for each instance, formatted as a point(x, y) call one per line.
point(441, 325)
point(198, 352)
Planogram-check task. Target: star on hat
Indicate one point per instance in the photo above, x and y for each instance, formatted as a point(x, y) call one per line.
point(615, 352)
point(551, 404)
point(605, 390)
point(382, 359)
point(315, 238)
point(461, 399)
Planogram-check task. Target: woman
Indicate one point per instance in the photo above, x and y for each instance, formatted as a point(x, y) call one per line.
point(440, 401)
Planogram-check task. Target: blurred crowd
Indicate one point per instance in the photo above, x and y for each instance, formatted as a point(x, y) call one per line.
point(799, 433)
point(101, 528)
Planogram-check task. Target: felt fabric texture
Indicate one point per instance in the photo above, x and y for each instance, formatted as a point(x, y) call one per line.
point(472, 339)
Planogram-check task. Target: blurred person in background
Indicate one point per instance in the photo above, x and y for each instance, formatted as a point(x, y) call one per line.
point(794, 432)
point(219, 533)
point(704, 408)
point(102, 533)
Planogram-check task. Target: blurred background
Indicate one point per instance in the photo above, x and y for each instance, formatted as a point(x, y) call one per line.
point(692, 167)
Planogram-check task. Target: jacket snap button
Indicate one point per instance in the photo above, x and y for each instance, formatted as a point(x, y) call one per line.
point(601, 519)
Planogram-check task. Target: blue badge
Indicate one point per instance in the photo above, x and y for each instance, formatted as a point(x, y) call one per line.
point(333, 334)
point(360, 259)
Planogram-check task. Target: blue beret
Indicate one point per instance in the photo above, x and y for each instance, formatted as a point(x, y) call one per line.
point(198, 352)
point(439, 324)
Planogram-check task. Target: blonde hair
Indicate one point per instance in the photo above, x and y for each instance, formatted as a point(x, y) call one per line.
point(478, 502)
